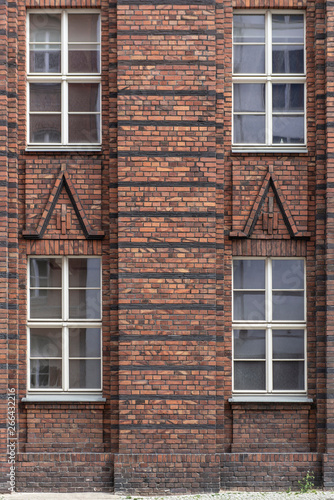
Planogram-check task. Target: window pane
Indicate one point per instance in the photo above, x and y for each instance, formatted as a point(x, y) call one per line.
point(248, 28)
point(249, 274)
point(249, 344)
point(249, 97)
point(45, 27)
point(85, 304)
point(83, 28)
point(45, 128)
point(85, 374)
point(288, 376)
point(45, 342)
point(45, 272)
point(45, 97)
point(288, 274)
point(248, 59)
point(45, 303)
point(249, 129)
point(84, 128)
point(249, 376)
point(288, 344)
point(45, 373)
point(288, 97)
point(83, 59)
point(84, 272)
point(288, 59)
point(45, 59)
point(288, 129)
point(84, 97)
point(288, 28)
point(249, 306)
point(85, 342)
point(288, 306)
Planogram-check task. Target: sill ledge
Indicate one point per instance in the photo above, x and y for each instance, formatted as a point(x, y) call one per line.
point(64, 399)
point(284, 151)
point(270, 399)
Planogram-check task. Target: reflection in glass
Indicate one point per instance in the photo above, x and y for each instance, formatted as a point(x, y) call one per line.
point(288, 376)
point(45, 97)
point(249, 274)
point(288, 344)
point(45, 128)
point(84, 128)
point(85, 304)
point(45, 28)
point(249, 306)
point(45, 58)
point(288, 306)
point(85, 273)
point(85, 342)
point(85, 374)
point(83, 59)
point(45, 373)
point(288, 28)
point(248, 28)
point(249, 97)
point(45, 303)
point(249, 375)
point(288, 59)
point(249, 129)
point(45, 272)
point(83, 27)
point(84, 97)
point(288, 129)
point(45, 342)
point(249, 59)
point(249, 344)
point(288, 274)
point(288, 97)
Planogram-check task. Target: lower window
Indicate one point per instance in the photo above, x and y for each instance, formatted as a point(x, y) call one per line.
point(64, 325)
point(269, 326)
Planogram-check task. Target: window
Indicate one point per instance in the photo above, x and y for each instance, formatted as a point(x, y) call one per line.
point(64, 324)
point(269, 325)
point(269, 79)
point(64, 79)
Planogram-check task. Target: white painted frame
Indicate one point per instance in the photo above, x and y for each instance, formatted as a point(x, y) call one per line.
point(268, 79)
point(268, 325)
point(65, 323)
point(64, 79)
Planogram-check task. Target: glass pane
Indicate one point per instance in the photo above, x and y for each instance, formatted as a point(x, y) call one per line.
point(84, 128)
point(288, 28)
point(288, 59)
point(288, 97)
point(288, 306)
point(249, 376)
point(45, 272)
point(45, 59)
point(249, 274)
point(85, 374)
point(288, 376)
point(83, 28)
point(249, 306)
point(249, 344)
point(249, 97)
point(288, 344)
point(249, 129)
point(85, 304)
point(84, 97)
point(288, 129)
point(248, 59)
point(45, 128)
point(85, 342)
point(45, 303)
point(84, 272)
point(83, 59)
point(45, 373)
point(45, 342)
point(45, 97)
point(288, 274)
point(45, 27)
point(248, 28)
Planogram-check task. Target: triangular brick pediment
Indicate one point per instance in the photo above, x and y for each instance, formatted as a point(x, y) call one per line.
point(270, 214)
point(69, 214)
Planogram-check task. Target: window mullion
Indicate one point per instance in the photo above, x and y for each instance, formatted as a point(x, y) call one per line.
point(269, 359)
point(64, 53)
point(268, 28)
point(65, 358)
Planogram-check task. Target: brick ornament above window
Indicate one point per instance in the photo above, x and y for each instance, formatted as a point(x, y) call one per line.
point(269, 76)
point(64, 79)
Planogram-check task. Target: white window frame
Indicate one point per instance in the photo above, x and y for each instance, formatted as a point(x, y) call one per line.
point(64, 78)
point(65, 323)
point(268, 324)
point(268, 79)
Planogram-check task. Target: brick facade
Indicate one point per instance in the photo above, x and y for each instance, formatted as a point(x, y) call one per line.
point(166, 203)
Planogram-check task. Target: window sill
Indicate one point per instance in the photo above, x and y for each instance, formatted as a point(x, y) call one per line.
point(284, 398)
point(64, 398)
point(270, 149)
point(61, 149)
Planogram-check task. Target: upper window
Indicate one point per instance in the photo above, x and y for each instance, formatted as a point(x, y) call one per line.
point(269, 325)
point(269, 79)
point(64, 82)
point(64, 324)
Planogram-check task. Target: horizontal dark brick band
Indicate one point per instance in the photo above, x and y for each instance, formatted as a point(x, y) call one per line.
point(135, 368)
point(166, 244)
point(166, 337)
point(172, 31)
point(166, 426)
point(168, 214)
point(179, 62)
point(8, 275)
point(166, 2)
point(171, 275)
point(164, 397)
point(176, 307)
point(166, 154)
point(5, 305)
point(162, 184)
point(167, 123)
point(167, 93)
